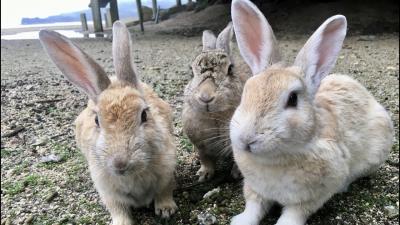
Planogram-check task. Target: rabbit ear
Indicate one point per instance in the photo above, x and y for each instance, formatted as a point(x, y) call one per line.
point(319, 54)
point(209, 40)
point(224, 38)
point(121, 50)
point(76, 65)
point(255, 38)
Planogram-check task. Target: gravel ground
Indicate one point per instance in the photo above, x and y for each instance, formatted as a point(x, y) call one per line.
point(36, 98)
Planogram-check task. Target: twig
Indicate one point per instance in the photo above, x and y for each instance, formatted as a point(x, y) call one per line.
point(57, 135)
point(14, 132)
point(50, 100)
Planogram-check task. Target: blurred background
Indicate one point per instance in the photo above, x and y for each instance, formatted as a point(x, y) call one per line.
point(23, 18)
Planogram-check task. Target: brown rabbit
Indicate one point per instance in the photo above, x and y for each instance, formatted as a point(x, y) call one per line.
point(125, 132)
point(210, 100)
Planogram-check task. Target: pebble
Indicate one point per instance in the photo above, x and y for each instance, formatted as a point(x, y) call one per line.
point(29, 87)
point(367, 38)
point(51, 196)
point(50, 158)
point(212, 192)
point(28, 220)
point(40, 142)
point(391, 211)
point(206, 219)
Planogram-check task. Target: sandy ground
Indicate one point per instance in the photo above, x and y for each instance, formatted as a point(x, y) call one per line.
point(36, 97)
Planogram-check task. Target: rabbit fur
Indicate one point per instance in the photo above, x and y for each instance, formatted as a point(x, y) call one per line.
point(298, 135)
point(210, 99)
point(125, 132)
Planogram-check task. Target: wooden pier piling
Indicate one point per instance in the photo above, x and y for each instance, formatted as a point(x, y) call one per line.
point(140, 11)
point(96, 15)
point(114, 11)
point(85, 29)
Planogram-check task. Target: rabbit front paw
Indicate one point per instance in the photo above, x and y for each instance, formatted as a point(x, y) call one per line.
point(165, 208)
point(205, 173)
point(244, 219)
point(122, 220)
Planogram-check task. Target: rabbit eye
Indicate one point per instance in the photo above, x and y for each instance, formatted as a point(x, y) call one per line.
point(230, 70)
point(96, 120)
point(292, 101)
point(144, 116)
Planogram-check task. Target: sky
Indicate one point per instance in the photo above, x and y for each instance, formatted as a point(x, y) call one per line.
point(12, 11)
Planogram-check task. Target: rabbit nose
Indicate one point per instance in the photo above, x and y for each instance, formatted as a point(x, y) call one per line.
point(206, 98)
point(120, 165)
point(249, 144)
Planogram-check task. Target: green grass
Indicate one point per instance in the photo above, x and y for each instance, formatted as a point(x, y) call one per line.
point(186, 144)
point(18, 186)
point(13, 188)
point(5, 152)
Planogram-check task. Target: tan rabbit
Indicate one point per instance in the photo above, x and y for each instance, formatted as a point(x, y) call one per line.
point(210, 100)
point(299, 137)
point(125, 132)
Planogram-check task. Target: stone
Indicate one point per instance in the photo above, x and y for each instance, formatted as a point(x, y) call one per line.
point(206, 219)
point(40, 142)
point(391, 211)
point(29, 87)
point(50, 158)
point(212, 192)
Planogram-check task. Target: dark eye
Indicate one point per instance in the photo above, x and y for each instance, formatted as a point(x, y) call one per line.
point(292, 100)
point(230, 70)
point(96, 120)
point(144, 115)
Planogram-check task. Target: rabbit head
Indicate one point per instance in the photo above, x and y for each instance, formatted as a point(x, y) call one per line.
point(276, 113)
point(125, 129)
point(214, 86)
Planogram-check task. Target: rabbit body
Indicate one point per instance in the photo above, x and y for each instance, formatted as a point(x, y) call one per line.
point(298, 135)
point(210, 100)
point(138, 188)
point(125, 132)
point(351, 138)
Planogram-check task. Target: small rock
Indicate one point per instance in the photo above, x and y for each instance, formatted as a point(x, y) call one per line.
point(367, 38)
point(50, 158)
point(40, 142)
point(29, 88)
point(206, 219)
point(212, 192)
point(51, 196)
point(28, 220)
point(155, 68)
point(391, 211)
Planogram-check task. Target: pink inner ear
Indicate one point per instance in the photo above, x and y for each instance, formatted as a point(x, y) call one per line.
point(251, 30)
point(74, 66)
point(327, 47)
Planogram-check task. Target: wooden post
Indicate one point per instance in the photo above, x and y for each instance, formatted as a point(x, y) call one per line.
point(107, 17)
point(154, 8)
point(114, 11)
point(96, 15)
point(85, 28)
point(157, 14)
point(139, 8)
point(84, 22)
point(178, 3)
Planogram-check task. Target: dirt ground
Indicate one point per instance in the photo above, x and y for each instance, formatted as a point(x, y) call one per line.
point(36, 98)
